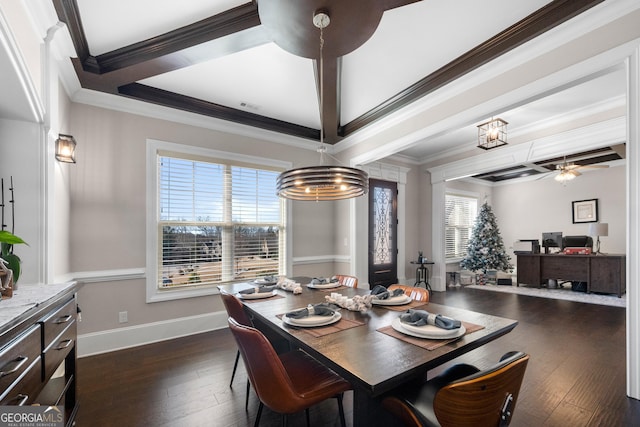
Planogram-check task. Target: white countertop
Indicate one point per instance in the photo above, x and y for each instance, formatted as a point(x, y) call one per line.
point(28, 296)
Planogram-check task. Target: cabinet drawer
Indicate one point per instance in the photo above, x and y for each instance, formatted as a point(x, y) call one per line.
point(55, 323)
point(18, 355)
point(25, 390)
point(59, 349)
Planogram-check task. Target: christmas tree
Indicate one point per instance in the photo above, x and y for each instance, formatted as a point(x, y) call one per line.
point(486, 250)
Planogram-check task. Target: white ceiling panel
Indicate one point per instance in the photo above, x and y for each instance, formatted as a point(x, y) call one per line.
point(415, 40)
point(264, 80)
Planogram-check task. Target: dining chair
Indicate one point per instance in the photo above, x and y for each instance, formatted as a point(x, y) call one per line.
point(349, 281)
point(463, 396)
point(415, 293)
point(288, 382)
point(235, 309)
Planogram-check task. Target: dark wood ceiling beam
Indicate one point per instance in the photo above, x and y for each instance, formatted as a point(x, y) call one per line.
point(542, 20)
point(331, 101)
point(392, 4)
point(198, 106)
point(67, 11)
point(109, 82)
point(232, 31)
point(233, 21)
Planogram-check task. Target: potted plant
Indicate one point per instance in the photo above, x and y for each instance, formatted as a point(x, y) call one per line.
point(7, 240)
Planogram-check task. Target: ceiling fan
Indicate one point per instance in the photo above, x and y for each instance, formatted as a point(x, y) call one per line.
point(568, 171)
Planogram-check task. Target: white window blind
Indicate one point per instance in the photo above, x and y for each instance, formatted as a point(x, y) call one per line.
point(217, 223)
point(460, 215)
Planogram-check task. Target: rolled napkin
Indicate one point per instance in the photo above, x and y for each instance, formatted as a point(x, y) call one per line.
point(322, 309)
point(257, 290)
point(422, 318)
point(323, 280)
point(380, 292)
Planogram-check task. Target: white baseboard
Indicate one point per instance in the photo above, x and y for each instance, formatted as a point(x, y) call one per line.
point(133, 336)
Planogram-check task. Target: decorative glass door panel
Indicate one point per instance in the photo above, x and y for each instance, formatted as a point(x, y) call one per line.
point(383, 224)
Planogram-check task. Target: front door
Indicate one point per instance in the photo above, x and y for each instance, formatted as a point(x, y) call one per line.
point(383, 235)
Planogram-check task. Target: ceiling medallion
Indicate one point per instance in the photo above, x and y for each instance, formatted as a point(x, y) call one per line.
point(353, 22)
point(322, 183)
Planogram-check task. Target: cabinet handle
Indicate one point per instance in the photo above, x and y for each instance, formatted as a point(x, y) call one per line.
point(18, 362)
point(64, 344)
point(19, 399)
point(63, 319)
point(22, 399)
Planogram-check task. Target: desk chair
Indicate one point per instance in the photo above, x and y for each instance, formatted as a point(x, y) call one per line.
point(463, 396)
point(417, 294)
point(235, 309)
point(349, 281)
point(287, 383)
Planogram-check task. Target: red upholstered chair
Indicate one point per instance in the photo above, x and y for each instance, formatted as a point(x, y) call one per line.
point(349, 281)
point(289, 382)
point(463, 396)
point(417, 294)
point(235, 309)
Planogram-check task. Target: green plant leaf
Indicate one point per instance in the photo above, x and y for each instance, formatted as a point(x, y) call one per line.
point(12, 239)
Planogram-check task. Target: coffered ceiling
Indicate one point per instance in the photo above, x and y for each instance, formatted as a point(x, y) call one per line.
point(218, 58)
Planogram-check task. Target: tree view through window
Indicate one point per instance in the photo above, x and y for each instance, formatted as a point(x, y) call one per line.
point(217, 223)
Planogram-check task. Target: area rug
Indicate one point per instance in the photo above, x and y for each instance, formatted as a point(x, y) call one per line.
point(564, 294)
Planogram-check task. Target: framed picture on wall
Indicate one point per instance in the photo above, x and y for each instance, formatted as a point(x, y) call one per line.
point(585, 211)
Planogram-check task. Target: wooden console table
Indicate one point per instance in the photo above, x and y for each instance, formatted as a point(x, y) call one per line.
point(602, 273)
point(38, 332)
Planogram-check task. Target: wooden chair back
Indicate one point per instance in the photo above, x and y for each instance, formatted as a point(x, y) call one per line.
point(413, 292)
point(349, 281)
point(462, 396)
point(487, 398)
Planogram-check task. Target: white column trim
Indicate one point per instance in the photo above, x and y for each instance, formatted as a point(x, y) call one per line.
point(633, 225)
point(438, 279)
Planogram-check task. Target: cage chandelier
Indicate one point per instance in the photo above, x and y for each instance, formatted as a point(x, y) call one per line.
point(323, 182)
point(492, 134)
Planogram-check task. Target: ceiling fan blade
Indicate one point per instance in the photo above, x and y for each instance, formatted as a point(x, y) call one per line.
point(594, 166)
point(574, 172)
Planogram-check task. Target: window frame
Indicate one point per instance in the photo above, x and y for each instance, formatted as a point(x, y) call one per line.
point(460, 194)
point(157, 148)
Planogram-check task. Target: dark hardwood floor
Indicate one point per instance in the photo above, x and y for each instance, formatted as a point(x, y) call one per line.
point(576, 375)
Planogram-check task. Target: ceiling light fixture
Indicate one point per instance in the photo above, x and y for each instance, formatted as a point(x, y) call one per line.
point(566, 175)
point(567, 172)
point(324, 182)
point(492, 134)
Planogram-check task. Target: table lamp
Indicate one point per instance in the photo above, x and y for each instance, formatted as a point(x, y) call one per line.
point(598, 229)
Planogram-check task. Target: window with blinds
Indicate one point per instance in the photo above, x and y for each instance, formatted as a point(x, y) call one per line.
point(460, 216)
point(217, 223)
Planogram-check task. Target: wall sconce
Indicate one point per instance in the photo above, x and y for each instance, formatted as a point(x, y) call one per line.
point(492, 134)
point(66, 149)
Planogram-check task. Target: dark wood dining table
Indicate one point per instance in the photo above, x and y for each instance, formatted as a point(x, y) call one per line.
point(373, 361)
